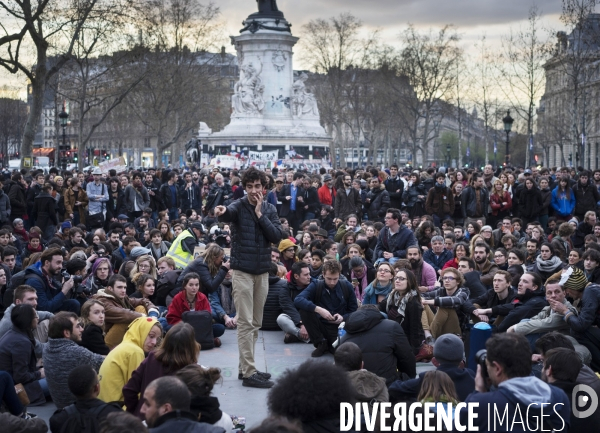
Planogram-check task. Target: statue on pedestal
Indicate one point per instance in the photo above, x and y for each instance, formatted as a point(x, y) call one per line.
point(248, 92)
point(266, 6)
point(304, 103)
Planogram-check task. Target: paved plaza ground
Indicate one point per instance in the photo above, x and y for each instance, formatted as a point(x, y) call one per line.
point(272, 355)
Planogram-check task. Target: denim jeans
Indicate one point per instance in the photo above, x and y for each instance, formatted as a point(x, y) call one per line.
point(45, 388)
point(173, 214)
point(8, 396)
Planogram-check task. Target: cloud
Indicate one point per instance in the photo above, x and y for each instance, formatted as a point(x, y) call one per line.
point(396, 13)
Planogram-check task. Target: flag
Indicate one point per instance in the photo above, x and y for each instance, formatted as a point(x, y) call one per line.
point(531, 142)
point(583, 140)
point(468, 151)
point(495, 147)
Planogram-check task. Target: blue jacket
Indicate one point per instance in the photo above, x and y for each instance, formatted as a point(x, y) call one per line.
point(561, 205)
point(332, 300)
point(396, 244)
point(527, 393)
point(437, 262)
point(50, 298)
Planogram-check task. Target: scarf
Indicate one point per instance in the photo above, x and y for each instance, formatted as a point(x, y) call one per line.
point(374, 290)
point(362, 282)
point(548, 265)
point(487, 179)
point(315, 272)
point(32, 250)
point(417, 268)
point(395, 300)
point(23, 233)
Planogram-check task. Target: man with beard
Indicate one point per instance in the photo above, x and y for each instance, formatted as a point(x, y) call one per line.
point(347, 200)
point(394, 185)
point(488, 177)
point(15, 189)
point(292, 201)
point(475, 200)
point(377, 202)
point(33, 191)
point(290, 321)
point(482, 264)
point(440, 200)
point(219, 193)
point(191, 197)
point(310, 200)
point(42, 276)
point(327, 191)
point(136, 197)
point(424, 272)
point(586, 195)
point(170, 196)
point(121, 253)
point(156, 203)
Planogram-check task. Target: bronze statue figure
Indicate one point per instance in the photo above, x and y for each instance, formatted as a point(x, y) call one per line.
point(267, 6)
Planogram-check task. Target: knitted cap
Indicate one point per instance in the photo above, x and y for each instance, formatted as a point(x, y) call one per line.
point(449, 349)
point(66, 225)
point(573, 278)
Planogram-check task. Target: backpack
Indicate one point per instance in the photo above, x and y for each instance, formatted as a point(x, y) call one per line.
point(78, 422)
point(19, 278)
point(321, 287)
point(201, 321)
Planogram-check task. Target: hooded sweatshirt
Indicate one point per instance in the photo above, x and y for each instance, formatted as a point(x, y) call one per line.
point(122, 361)
point(526, 393)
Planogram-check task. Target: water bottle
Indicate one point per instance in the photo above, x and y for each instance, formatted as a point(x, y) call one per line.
point(341, 333)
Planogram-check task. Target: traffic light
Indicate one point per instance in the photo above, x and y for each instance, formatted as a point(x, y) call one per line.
point(75, 157)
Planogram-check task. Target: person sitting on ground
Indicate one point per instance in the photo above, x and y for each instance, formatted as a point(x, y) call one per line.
point(177, 350)
point(472, 278)
point(367, 385)
point(393, 239)
point(15, 418)
point(166, 408)
point(561, 369)
point(437, 256)
point(200, 382)
point(481, 252)
point(192, 299)
point(381, 286)
point(547, 263)
point(387, 352)
point(141, 338)
point(424, 272)
point(290, 320)
point(84, 385)
point(27, 295)
point(120, 310)
point(449, 353)
point(63, 354)
point(591, 265)
point(327, 386)
point(92, 318)
point(452, 300)
point(437, 389)
point(167, 279)
point(211, 266)
point(496, 303)
point(324, 305)
point(17, 355)
point(528, 302)
point(508, 366)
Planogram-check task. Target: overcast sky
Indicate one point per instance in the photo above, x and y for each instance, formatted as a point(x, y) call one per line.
point(472, 17)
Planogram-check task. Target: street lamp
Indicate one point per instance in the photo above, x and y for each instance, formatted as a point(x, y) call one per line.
point(448, 160)
point(64, 119)
point(508, 121)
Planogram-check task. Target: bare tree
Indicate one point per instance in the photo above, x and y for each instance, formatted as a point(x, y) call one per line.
point(525, 51)
point(429, 62)
point(46, 29)
point(13, 114)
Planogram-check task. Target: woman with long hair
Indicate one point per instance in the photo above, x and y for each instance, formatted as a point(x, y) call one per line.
point(437, 387)
point(530, 202)
point(98, 278)
point(92, 317)
point(17, 354)
point(500, 202)
point(414, 196)
point(461, 177)
point(473, 229)
point(200, 382)
point(165, 231)
point(348, 239)
point(143, 265)
point(210, 266)
point(457, 215)
point(547, 263)
point(461, 250)
point(563, 200)
point(177, 350)
point(403, 305)
point(424, 232)
point(145, 286)
point(381, 286)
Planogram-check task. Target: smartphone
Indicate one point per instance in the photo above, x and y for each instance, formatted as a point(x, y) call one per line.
point(354, 281)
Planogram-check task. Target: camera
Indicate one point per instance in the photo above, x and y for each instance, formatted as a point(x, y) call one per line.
point(480, 358)
point(226, 259)
point(78, 288)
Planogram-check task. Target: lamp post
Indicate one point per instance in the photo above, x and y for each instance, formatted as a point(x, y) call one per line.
point(448, 160)
point(508, 121)
point(64, 118)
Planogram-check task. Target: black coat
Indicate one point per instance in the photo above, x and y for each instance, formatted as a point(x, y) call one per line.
point(287, 295)
point(378, 205)
point(345, 205)
point(524, 307)
point(115, 205)
point(165, 194)
point(251, 238)
point(272, 309)
point(474, 284)
point(208, 283)
point(385, 348)
point(286, 210)
point(586, 198)
point(411, 323)
point(395, 189)
point(311, 199)
point(92, 339)
point(44, 211)
point(530, 203)
point(16, 194)
point(156, 203)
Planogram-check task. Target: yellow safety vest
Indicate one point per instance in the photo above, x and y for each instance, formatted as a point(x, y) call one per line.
point(179, 256)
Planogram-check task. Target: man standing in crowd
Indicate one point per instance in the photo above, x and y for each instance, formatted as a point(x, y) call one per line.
point(190, 194)
point(475, 200)
point(394, 185)
point(182, 249)
point(254, 227)
point(170, 196)
point(347, 200)
point(440, 200)
point(327, 191)
point(97, 193)
point(377, 202)
point(136, 197)
point(586, 195)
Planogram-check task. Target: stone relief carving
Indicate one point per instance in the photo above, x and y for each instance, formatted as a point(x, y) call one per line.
point(248, 91)
point(279, 60)
point(303, 103)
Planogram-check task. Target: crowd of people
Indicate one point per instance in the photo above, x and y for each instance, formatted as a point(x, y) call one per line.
point(110, 283)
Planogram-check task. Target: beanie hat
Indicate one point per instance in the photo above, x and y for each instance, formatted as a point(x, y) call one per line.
point(574, 279)
point(449, 349)
point(574, 220)
point(285, 244)
point(66, 225)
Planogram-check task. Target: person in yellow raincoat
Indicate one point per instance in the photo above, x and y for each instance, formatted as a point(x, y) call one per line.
point(116, 370)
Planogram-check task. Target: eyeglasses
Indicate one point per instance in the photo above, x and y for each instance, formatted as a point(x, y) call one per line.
point(400, 279)
point(448, 278)
point(290, 250)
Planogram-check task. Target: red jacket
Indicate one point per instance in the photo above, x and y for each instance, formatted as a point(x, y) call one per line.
point(180, 305)
point(325, 197)
point(496, 202)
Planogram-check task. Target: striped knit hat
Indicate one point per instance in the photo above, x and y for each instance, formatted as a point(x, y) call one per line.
point(573, 278)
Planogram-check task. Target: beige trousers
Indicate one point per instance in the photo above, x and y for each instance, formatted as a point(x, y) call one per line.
point(249, 296)
point(445, 322)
